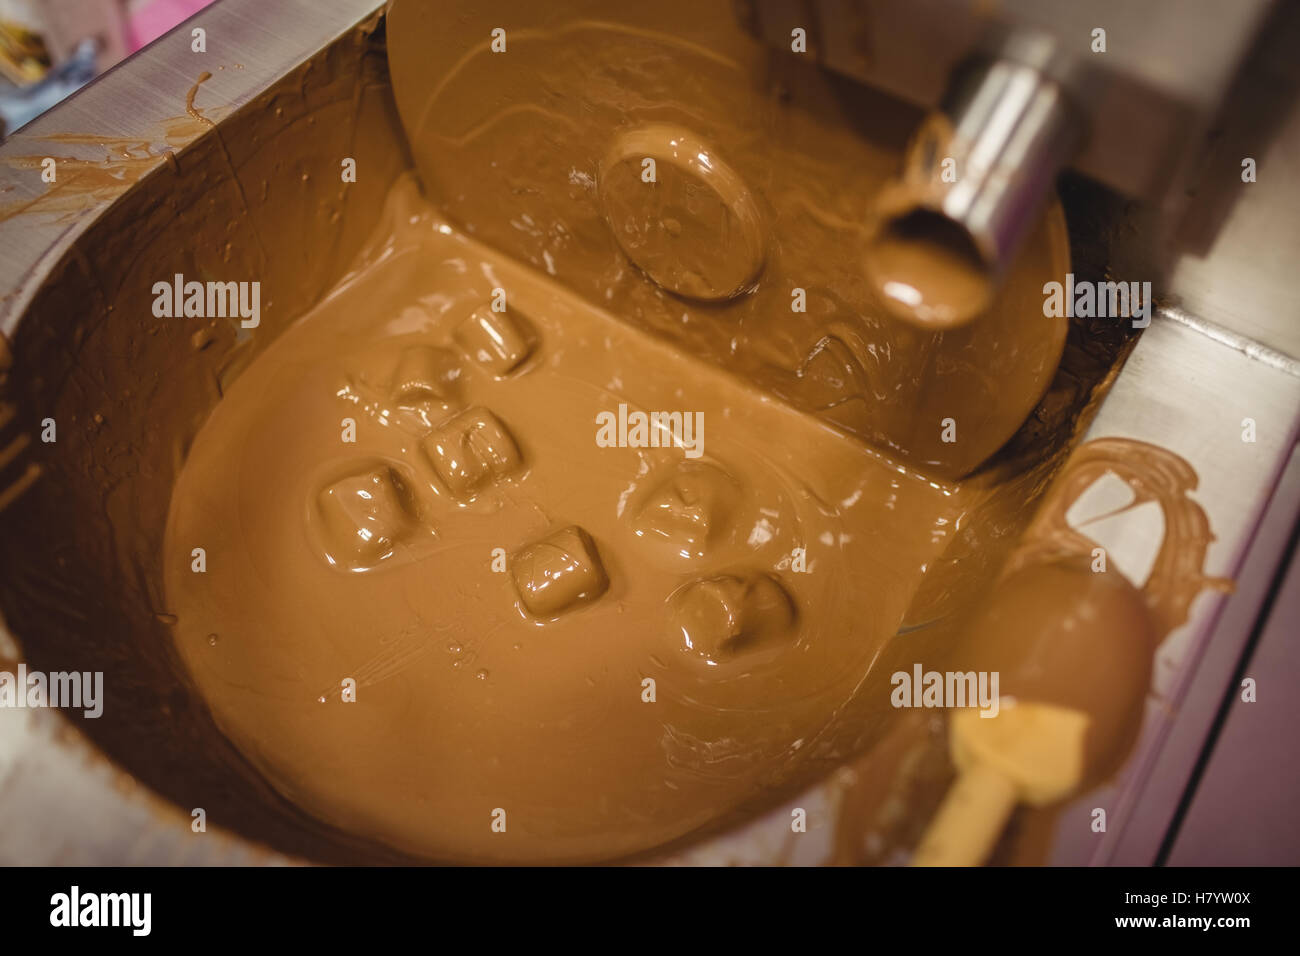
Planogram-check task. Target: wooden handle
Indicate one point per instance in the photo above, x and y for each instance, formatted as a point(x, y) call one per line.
point(969, 821)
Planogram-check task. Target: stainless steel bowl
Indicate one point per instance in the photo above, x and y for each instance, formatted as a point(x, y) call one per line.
point(76, 262)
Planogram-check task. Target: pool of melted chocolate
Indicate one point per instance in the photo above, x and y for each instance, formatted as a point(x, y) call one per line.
point(430, 596)
point(383, 498)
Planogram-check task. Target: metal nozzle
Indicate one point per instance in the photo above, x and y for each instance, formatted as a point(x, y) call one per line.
point(973, 182)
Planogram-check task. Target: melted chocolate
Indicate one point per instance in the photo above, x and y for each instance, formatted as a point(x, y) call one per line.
point(499, 585)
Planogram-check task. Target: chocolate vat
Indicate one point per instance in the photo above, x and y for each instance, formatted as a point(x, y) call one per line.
point(248, 186)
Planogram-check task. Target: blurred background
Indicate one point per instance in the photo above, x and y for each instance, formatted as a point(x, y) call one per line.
point(51, 48)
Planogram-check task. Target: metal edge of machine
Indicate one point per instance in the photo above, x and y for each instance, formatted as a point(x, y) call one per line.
point(1186, 386)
